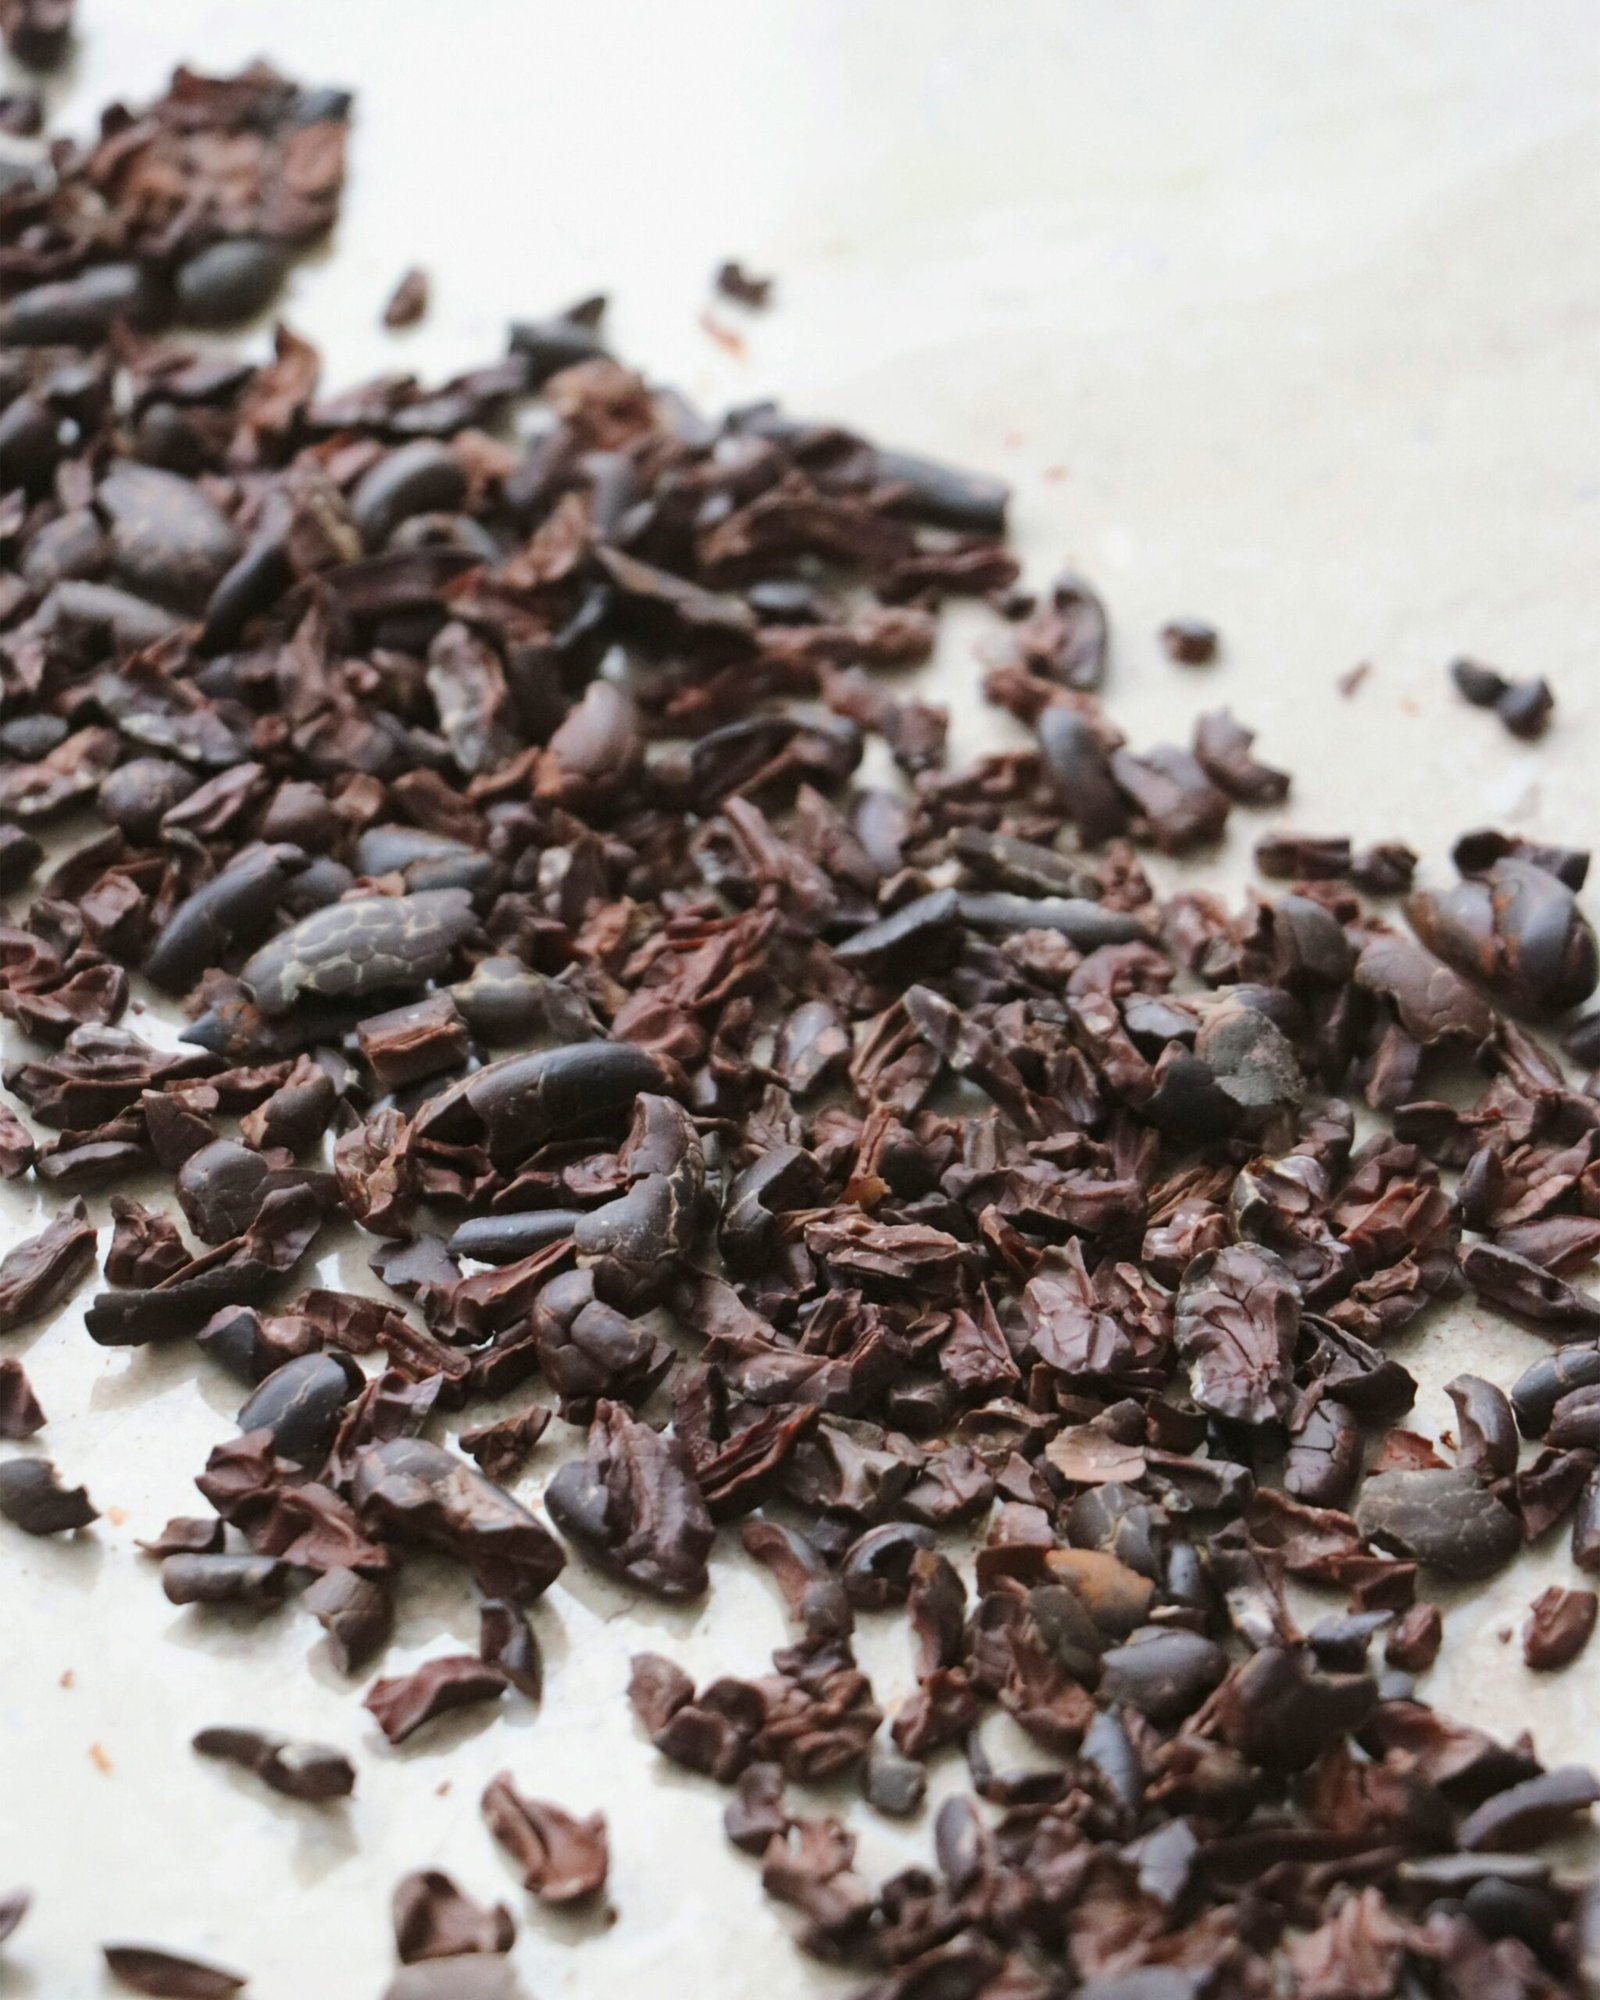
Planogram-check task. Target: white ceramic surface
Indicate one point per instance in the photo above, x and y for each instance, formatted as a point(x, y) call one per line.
point(1283, 314)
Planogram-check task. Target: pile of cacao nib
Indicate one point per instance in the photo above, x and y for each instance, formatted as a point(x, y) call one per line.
point(856, 1172)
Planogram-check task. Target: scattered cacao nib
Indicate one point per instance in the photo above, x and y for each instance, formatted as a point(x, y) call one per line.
point(355, 1613)
point(415, 1041)
point(632, 1505)
point(657, 1690)
point(1529, 1813)
point(32, 1498)
point(734, 282)
point(1178, 802)
point(1386, 868)
point(1527, 1291)
point(298, 1770)
point(408, 302)
point(187, 1535)
point(506, 1640)
point(1442, 1518)
point(1432, 1003)
point(1477, 851)
point(144, 1968)
point(757, 1814)
point(37, 32)
point(1190, 641)
point(1575, 1421)
point(503, 1448)
point(1525, 707)
point(17, 1149)
point(1222, 749)
point(1486, 1431)
point(20, 1414)
point(561, 1859)
point(1518, 931)
point(894, 1784)
point(1544, 1382)
point(301, 1404)
point(1586, 1527)
point(224, 1579)
point(20, 855)
point(1482, 686)
point(1066, 641)
point(1414, 1639)
point(1305, 857)
point(433, 1920)
point(1077, 762)
point(14, 1906)
point(45, 1269)
point(1560, 1624)
point(1237, 1319)
point(417, 1492)
point(402, 1705)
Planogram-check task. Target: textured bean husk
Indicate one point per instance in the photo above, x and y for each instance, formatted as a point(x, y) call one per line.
point(515, 1104)
point(369, 944)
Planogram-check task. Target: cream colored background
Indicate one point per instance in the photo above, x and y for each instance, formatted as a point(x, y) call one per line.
point(1280, 313)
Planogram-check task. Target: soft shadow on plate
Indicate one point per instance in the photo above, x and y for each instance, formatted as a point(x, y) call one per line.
point(324, 1836)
